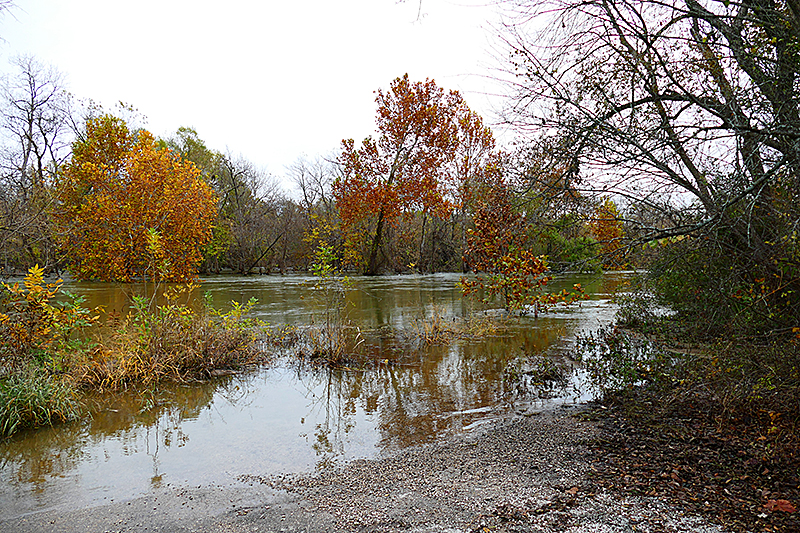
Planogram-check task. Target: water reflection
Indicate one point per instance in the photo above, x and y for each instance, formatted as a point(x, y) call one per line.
point(289, 417)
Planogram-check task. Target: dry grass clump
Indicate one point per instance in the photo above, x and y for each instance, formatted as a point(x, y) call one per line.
point(331, 345)
point(172, 352)
point(173, 343)
point(436, 329)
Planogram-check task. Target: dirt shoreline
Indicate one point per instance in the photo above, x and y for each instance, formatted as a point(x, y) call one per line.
point(518, 474)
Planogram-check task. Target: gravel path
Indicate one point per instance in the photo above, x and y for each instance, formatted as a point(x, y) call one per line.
point(520, 474)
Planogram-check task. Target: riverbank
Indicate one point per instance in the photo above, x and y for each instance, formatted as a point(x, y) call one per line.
point(741, 471)
point(523, 473)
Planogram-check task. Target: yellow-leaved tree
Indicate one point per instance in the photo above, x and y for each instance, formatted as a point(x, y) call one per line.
point(121, 190)
point(607, 226)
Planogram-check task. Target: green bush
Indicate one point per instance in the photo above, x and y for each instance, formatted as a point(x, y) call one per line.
point(749, 377)
point(744, 376)
point(717, 290)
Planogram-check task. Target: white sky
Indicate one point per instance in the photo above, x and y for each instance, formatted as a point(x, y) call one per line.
point(269, 80)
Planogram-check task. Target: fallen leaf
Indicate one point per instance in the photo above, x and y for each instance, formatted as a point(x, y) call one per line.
point(780, 505)
point(573, 491)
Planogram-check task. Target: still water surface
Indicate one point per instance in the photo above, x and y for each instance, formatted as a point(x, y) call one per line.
point(286, 418)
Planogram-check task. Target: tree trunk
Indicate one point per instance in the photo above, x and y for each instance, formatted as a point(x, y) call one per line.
point(420, 263)
point(373, 268)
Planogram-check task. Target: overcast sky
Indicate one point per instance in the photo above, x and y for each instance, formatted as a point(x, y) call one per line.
point(269, 80)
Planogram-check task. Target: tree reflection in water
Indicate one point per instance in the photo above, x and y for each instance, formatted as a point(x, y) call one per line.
point(55, 451)
point(422, 393)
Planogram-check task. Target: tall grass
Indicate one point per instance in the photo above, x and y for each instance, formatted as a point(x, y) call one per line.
point(32, 397)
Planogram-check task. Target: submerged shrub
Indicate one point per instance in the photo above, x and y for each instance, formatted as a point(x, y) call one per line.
point(617, 360)
point(174, 342)
point(435, 329)
point(331, 338)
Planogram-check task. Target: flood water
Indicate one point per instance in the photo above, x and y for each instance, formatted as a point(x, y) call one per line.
point(292, 418)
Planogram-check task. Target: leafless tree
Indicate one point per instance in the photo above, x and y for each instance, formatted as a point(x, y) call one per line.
point(36, 137)
point(314, 178)
point(251, 204)
point(697, 101)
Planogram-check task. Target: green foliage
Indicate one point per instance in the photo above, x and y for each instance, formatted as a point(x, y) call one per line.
point(744, 376)
point(237, 320)
point(716, 292)
point(573, 253)
point(33, 397)
point(46, 356)
point(323, 265)
point(221, 240)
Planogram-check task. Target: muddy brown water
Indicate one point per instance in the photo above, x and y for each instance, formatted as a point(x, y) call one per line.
point(288, 418)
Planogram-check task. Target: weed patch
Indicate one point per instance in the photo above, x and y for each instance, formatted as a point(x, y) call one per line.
point(32, 397)
point(175, 343)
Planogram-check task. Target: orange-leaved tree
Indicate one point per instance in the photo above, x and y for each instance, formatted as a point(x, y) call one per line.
point(401, 171)
point(120, 191)
point(475, 165)
point(499, 255)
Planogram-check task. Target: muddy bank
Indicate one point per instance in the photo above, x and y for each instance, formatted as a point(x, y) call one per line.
point(522, 473)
